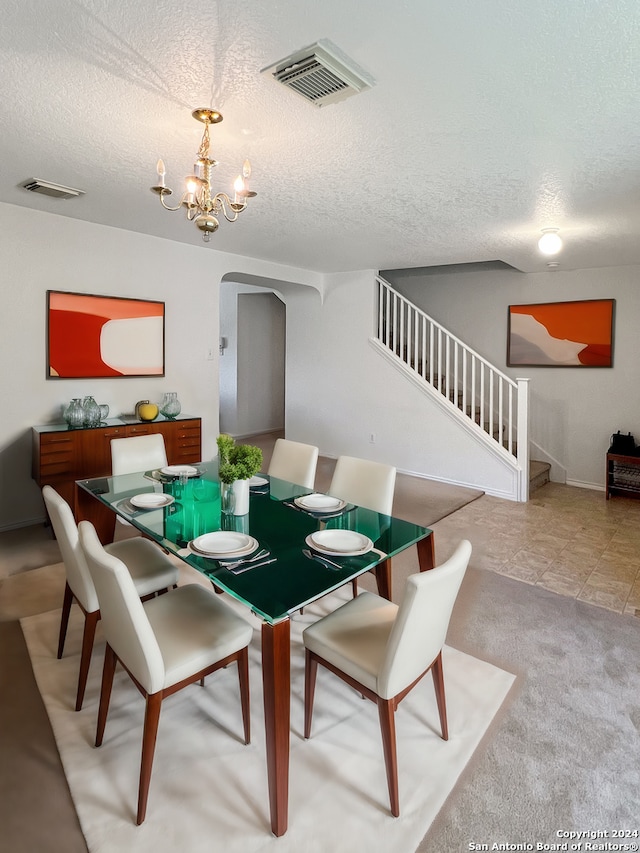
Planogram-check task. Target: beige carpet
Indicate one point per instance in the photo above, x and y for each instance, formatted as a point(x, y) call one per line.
point(209, 791)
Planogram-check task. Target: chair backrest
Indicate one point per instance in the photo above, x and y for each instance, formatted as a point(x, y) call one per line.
point(294, 462)
point(66, 531)
point(124, 622)
point(421, 625)
point(365, 483)
point(137, 453)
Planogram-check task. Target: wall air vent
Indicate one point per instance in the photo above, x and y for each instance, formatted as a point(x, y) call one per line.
point(319, 74)
point(35, 185)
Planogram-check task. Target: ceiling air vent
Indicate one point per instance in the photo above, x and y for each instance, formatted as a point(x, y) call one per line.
point(35, 185)
point(319, 74)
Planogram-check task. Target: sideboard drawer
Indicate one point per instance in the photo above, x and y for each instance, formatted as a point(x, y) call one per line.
point(141, 429)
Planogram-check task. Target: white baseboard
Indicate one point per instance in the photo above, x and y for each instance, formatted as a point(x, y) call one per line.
point(597, 487)
point(29, 522)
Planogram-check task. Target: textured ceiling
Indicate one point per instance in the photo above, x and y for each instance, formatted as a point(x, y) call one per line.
point(489, 120)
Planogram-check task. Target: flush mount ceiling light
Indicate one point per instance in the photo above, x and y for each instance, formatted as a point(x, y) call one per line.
point(550, 242)
point(200, 206)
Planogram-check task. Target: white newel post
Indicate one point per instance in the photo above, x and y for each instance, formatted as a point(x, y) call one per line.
point(523, 438)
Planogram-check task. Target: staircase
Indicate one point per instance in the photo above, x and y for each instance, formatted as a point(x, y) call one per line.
point(487, 401)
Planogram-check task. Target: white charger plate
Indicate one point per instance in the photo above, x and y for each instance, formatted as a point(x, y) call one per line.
point(258, 482)
point(176, 470)
point(319, 503)
point(224, 543)
point(151, 500)
point(340, 543)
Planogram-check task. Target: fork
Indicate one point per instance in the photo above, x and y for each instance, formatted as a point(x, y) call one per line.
point(262, 553)
point(321, 559)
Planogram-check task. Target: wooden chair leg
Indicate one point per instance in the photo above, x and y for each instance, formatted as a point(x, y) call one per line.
point(151, 719)
point(64, 621)
point(243, 677)
point(386, 709)
point(438, 683)
point(354, 587)
point(310, 673)
point(88, 635)
point(110, 661)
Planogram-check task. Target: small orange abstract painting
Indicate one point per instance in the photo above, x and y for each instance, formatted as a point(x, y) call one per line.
point(561, 334)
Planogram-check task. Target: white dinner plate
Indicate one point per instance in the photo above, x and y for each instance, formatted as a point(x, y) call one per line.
point(319, 503)
point(340, 543)
point(176, 470)
point(224, 543)
point(258, 482)
point(151, 500)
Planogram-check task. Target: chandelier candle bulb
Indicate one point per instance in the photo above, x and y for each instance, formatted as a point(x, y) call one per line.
point(161, 173)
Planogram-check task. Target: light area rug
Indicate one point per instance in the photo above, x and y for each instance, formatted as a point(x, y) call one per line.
point(209, 790)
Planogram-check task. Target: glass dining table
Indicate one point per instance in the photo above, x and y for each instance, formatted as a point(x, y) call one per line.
point(293, 575)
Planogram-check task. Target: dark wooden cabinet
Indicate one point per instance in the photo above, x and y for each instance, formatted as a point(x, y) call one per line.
point(623, 475)
point(62, 455)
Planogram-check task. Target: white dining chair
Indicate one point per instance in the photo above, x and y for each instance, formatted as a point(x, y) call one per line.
point(137, 453)
point(165, 644)
point(294, 461)
point(365, 483)
point(151, 571)
point(383, 650)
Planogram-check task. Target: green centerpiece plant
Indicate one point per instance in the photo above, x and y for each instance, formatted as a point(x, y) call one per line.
point(237, 461)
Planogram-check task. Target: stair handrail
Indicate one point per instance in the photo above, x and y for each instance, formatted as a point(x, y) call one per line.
point(450, 335)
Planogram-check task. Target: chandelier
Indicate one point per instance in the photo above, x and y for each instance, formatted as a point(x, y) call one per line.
point(201, 207)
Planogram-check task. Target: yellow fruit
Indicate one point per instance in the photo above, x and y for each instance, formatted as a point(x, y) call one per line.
point(148, 412)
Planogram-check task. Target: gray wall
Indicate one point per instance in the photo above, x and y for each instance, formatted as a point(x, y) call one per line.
point(252, 366)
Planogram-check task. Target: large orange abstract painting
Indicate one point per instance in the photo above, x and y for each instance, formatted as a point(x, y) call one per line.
point(99, 336)
point(561, 334)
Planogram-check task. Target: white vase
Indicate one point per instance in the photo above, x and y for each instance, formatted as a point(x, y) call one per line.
point(241, 492)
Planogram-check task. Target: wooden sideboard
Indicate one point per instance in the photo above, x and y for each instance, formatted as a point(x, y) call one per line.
point(62, 455)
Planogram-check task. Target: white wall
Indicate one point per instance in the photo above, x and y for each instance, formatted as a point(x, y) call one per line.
point(40, 251)
point(574, 411)
point(340, 391)
point(229, 358)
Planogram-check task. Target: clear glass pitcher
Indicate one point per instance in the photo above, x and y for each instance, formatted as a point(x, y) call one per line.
point(91, 411)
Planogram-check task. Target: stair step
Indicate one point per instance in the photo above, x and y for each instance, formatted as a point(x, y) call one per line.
point(538, 474)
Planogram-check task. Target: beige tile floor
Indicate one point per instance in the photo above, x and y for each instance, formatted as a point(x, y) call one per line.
point(568, 540)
